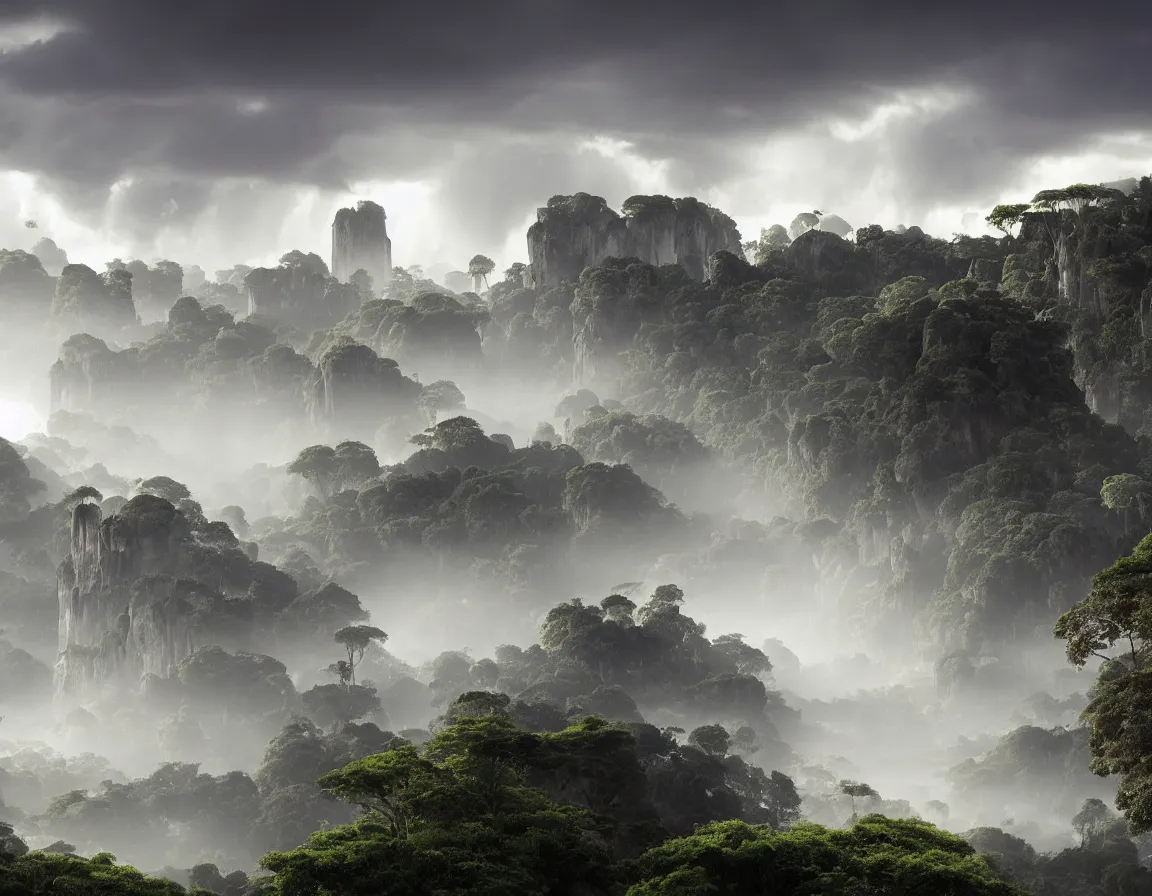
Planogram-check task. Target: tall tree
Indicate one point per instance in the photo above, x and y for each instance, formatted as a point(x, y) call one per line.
point(355, 639)
point(480, 267)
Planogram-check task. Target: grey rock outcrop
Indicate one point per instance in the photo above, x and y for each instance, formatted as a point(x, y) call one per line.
point(100, 304)
point(98, 603)
point(360, 242)
point(129, 605)
point(300, 292)
point(574, 232)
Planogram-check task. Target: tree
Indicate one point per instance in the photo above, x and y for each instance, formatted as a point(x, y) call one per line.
point(479, 268)
point(774, 237)
point(164, 487)
point(1076, 198)
point(361, 280)
point(385, 784)
point(355, 639)
point(10, 844)
point(1118, 612)
point(457, 817)
point(442, 395)
point(876, 856)
point(1093, 817)
point(1125, 493)
point(356, 464)
point(318, 465)
point(855, 790)
point(1005, 217)
point(43, 872)
point(515, 274)
point(712, 739)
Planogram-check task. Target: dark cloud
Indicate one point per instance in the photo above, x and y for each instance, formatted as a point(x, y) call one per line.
point(492, 97)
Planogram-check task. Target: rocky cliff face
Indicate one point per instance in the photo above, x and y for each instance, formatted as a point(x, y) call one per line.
point(1092, 269)
point(573, 232)
point(679, 231)
point(87, 375)
point(360, 242)
point(293, 292)
point(95, 589)
point(127, 607)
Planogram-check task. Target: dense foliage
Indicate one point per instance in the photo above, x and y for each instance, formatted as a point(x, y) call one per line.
point(928, 449)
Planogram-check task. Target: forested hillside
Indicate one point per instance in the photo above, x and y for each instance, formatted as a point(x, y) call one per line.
point(665, 564)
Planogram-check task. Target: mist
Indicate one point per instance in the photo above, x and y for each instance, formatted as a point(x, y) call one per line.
point(812, 531)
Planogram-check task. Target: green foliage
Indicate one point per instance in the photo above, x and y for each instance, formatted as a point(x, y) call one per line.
point(349, 464)
point(44, 872)
point(485, 806)
point(876, 854)
point(355, 639)
point(459, 818)
point(1117, 615)
point(481, 266)
point(648, 206)
point(1005, 217)
point(442, 395)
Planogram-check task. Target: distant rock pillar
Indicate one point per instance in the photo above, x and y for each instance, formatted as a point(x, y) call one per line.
point(360, 240)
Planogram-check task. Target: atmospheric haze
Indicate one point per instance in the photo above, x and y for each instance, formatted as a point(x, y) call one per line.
point(577, 493)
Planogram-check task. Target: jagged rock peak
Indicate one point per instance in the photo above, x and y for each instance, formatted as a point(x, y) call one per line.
point(574, 232)
point(360, 242)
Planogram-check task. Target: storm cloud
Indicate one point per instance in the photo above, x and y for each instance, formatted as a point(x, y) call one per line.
point(493, 101)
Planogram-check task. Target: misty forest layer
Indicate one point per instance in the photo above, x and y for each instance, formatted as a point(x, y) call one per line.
point(662, 563)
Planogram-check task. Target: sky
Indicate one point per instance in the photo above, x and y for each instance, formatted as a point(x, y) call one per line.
point(230, 131)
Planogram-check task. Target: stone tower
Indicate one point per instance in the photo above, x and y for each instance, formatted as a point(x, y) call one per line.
point(360, 240)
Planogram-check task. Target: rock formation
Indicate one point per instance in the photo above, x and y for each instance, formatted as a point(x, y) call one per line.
point(360, 242)
point(100, 304)
point(51, 256)
point(573, 232)
point(141, 589)
point(155, 289)
point(25, 286)
point(88, 375)
point(355, 392)
point(109, 618)
point(299, 292)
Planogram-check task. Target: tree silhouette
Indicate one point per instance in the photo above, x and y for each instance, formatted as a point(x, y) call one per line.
point(355, 639)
